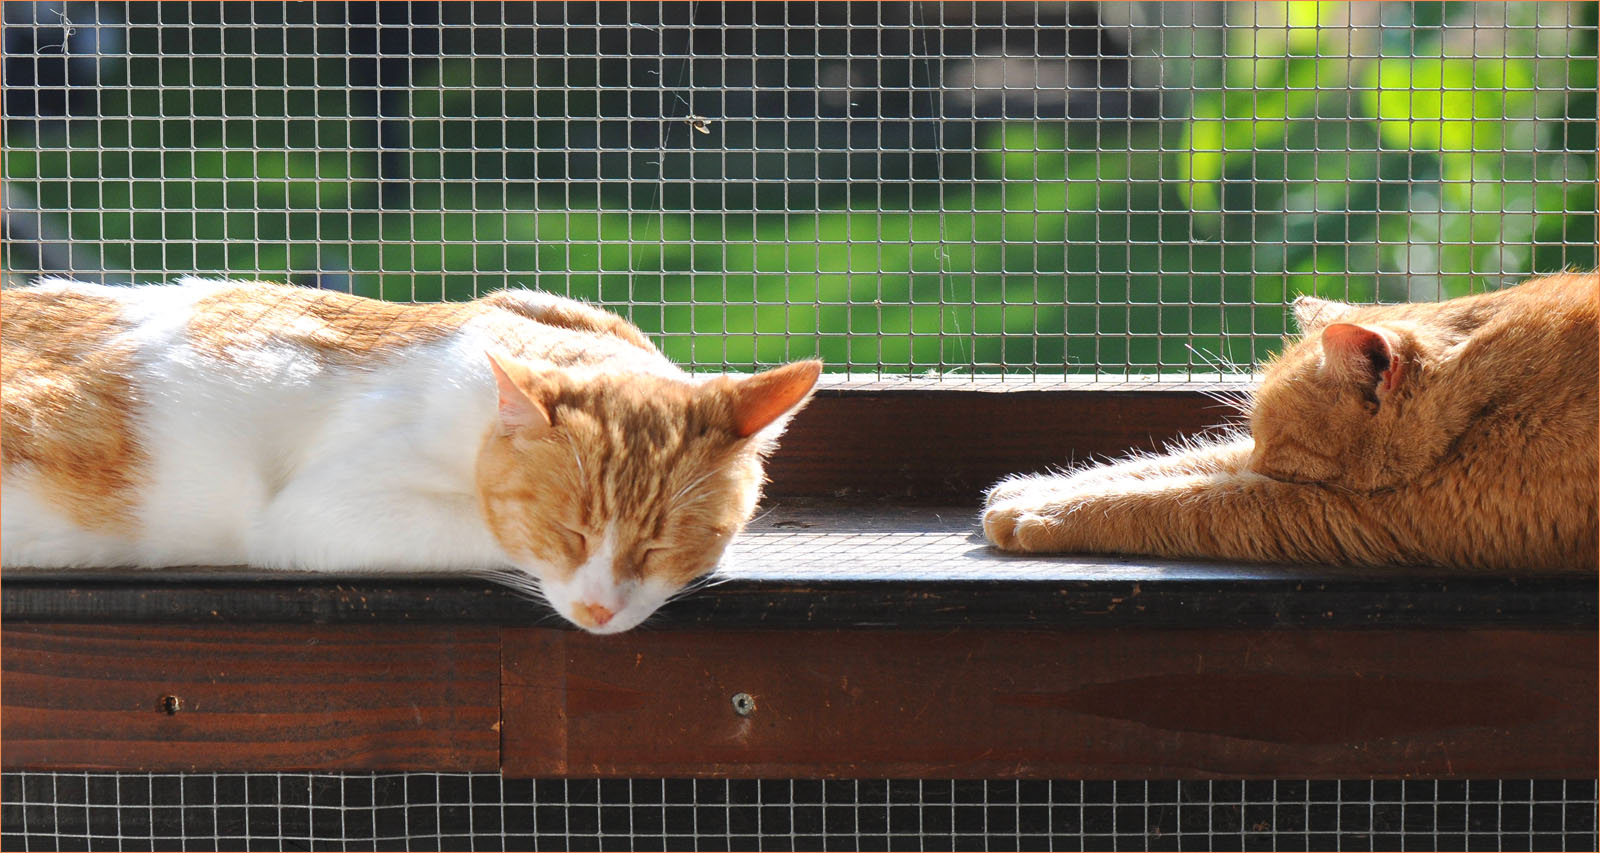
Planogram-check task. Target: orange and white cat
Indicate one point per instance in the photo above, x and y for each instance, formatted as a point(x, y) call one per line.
point(1459, 433)
point(524, 435)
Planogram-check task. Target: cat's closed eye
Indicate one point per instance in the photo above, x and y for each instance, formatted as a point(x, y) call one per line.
point(576, 541)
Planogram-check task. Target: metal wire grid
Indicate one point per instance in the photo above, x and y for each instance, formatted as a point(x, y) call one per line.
point(1120, 189)
point(46, 811)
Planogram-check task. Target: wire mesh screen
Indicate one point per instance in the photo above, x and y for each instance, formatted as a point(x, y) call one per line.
point(1114, 189)
point(47, 811)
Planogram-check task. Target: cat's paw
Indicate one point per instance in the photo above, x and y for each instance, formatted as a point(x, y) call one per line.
point(1019, 512)
point(1016, 526)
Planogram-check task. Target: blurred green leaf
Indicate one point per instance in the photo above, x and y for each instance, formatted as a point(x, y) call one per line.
point(1231, 127)
point(1448, 104)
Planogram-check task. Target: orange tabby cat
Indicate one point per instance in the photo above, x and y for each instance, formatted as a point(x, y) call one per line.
point(1459, 433)
point(524, 435)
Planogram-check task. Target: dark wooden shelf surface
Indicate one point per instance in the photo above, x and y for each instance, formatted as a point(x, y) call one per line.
point(817, 566)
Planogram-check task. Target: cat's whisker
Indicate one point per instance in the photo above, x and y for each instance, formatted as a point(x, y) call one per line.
point(1238, 401)
point(1205, 358)
point(680, 503)
point(688, 589)
point(705, 582)
point(577, 457)
point(1225, 367)
point(694, 586)
point(697, 481)
point(519, 582)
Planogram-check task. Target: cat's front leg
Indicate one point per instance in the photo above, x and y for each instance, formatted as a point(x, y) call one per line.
point(1136, 515)
point(1234, 515)
point(1223, 454)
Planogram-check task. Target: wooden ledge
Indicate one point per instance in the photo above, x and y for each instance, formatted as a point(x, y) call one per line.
point(535, 702)
point(810, 566)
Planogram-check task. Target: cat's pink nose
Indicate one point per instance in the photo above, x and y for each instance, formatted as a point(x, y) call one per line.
point(592, 615)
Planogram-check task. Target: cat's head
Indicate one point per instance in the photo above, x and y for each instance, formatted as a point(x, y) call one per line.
point(617, 490)
point(1347, 405)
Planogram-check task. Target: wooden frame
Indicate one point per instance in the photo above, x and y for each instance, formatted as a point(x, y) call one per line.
point(1298, 703)
point(944, 441)
point(1104, 669)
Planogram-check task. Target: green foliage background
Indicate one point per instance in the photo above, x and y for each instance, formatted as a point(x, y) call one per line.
point(1044, 246)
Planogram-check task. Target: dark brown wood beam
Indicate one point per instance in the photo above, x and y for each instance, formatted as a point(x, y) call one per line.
point(933, 442)
point(971, 703)
point(204, 698)
point(1083, 704)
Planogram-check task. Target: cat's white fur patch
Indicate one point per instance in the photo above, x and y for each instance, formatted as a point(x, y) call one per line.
point(275, 460)
point(595, 583)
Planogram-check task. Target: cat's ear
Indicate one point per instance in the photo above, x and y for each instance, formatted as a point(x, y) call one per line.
point(760, 400)
point(521, 412)
point(1369, 354)
point(1311, 313)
